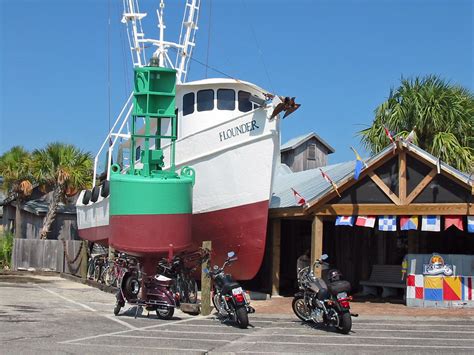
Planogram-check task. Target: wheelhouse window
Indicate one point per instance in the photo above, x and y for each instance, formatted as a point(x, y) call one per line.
point(188, 103)
point(244, 103)
point(205, 100)
point(226, 99)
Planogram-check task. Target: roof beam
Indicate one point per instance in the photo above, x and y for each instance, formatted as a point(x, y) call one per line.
point(402, 177)
point(421, 186)
point(377, 209)
point(386, 190)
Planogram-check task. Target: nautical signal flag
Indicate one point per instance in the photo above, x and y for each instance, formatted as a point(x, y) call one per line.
point(470, 224)
point(388, 223)
point(389, 136)
point(365, 221)
point(329, 180)
point(359, 164)
point(431, 223)
point(408, 223)
point(345, 221)
point(453, 221)
point(300, 201)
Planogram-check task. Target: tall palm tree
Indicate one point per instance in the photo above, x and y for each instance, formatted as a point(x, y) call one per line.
point(62, 167)
point(15, 168)
point(442, 115)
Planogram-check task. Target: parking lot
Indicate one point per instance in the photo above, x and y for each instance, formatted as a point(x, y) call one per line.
point(48, 314)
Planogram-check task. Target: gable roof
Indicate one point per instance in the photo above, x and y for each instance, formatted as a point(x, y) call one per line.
point(295, 142)
point(313, 187)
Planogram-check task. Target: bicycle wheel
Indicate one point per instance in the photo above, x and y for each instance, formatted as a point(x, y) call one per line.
point(90, 269)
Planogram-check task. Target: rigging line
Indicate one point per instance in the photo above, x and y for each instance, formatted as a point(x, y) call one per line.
point(209, 35)
point(108, 60)
point(265, 93)
point(258, 47)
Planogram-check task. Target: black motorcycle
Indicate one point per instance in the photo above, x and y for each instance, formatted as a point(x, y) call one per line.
point(323, 300)
point(228, 297)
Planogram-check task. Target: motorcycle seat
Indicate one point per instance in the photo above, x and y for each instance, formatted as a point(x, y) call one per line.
point(229, 286)
point(339, 286)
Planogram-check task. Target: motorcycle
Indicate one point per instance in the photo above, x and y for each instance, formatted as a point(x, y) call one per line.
point(323, 300)
point(152, 292)
point(228, 297)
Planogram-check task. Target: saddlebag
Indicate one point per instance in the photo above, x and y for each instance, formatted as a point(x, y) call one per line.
point(339, 286)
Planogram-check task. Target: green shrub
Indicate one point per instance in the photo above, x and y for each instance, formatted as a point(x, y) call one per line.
point(6, 247)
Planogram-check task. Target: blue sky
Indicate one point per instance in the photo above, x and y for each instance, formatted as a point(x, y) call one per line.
point(339, 58)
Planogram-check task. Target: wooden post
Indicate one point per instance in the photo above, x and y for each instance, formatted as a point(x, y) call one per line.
point(402, 177)
point(84, 260)
point(206, 282)
point(276, 249)
point(316, 242)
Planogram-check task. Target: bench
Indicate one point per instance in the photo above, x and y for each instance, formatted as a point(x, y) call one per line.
point(389, 277)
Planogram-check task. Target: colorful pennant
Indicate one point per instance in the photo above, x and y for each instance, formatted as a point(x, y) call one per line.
point(365, 221)
point(388, 223)
point(453, 221)
point(300, 201)
point(408, 223)
point(431, 223)
point(470, 224)
point(345, 221)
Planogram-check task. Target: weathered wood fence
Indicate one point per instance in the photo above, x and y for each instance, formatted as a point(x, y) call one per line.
point(47, 255)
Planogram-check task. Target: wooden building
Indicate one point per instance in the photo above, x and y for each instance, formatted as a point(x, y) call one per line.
point(406, 181)
point(305, 152)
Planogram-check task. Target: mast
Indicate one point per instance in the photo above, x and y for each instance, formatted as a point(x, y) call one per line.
point(132, 18)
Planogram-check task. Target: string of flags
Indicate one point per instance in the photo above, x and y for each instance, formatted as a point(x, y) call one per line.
point(389, 223)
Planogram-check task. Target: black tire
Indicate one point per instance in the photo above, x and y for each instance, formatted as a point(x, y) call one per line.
point(104, 192)
point(242, 317)
point(117, 309)
point(165, 313)
point(131, 287)
point(97, 273)
point(218, 306)
point(86, 197)
point(300, 308)
point(345, 323)
point(95, 193)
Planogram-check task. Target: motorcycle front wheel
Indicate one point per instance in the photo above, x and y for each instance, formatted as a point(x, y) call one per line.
point(300, 308)
point(242, 317)
point(345, 323)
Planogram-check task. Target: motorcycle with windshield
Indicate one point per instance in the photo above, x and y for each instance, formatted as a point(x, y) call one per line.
point(323, 300)
point(228, 297)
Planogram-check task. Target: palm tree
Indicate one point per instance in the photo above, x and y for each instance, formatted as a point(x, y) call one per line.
point(15, 167)
point(442, 115)
point(61, 167)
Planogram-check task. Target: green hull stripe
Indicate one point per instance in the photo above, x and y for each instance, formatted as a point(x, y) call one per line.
point(139, 196)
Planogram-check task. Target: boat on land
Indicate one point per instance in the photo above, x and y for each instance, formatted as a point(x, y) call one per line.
point(228, 131)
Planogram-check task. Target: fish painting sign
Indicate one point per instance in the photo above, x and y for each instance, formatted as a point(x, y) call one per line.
point(437, 267)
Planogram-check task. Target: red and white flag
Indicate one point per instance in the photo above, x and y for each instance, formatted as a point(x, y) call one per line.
point(329, 180)
point(300, 201)
point(453, 221)
point(365, 221)
point(389, 135)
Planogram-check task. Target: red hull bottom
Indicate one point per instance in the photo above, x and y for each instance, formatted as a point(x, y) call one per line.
point(242, 229)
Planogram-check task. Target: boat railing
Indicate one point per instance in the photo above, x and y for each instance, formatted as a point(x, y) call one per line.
point(112, 137)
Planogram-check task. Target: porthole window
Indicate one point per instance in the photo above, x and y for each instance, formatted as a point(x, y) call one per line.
point(188, 103)
point(244, 103)
point(226, 99)
point(205, 100)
